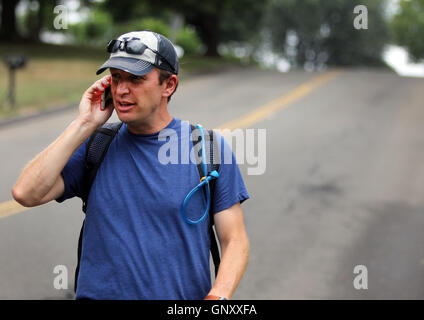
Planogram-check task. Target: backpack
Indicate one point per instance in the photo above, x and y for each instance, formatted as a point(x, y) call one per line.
point(97, 147)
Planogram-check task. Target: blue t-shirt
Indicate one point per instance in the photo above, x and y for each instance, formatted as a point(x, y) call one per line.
point(136, 245)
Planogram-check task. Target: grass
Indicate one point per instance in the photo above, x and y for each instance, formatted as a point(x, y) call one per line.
point(55, 76)
point(46, 83)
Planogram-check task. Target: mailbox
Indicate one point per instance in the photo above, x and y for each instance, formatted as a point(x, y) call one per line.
point(13, 62)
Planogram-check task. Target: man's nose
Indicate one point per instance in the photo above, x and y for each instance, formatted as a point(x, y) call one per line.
point(122, 88)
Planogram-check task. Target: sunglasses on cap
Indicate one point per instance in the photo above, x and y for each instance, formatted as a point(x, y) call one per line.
point(133, 47)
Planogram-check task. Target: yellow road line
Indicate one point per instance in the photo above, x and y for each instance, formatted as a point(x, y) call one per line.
point(11, 207)
point(264, 111)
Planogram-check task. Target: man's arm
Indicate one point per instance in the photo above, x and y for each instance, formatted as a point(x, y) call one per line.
point(41, 180)
point(235, 248)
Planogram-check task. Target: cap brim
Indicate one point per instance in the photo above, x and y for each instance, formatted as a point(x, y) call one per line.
point(131, 65)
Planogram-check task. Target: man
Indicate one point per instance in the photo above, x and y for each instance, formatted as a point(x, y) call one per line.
point(135, 243)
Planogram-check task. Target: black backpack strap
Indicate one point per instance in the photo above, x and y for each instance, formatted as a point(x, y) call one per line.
point(213, 165)
point(211, 145)
point(97, 147)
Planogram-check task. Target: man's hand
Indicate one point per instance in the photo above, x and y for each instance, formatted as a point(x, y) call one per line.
point(41, 180)
point(89, 108)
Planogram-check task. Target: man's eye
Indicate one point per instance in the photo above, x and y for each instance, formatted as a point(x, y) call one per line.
point(137, 78)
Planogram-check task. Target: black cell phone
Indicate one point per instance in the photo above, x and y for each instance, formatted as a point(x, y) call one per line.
point(106, 98)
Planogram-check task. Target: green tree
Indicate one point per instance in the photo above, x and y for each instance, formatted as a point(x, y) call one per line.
point(214, 21)
point(218, 21)
point(124, 11)
point(322, 32)
point(408, 27)
point(34, 21)
point(95, 30)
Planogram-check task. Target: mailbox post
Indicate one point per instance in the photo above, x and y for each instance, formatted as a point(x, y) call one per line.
point(13, 62)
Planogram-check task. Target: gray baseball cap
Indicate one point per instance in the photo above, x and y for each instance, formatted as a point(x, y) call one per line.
point(138, 52)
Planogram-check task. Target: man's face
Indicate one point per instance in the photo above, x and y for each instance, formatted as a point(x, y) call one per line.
point(136, 98)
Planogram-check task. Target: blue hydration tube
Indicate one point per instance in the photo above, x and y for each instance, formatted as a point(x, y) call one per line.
point(204, 181)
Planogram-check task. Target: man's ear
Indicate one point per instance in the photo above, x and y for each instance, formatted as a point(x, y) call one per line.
point(171, 85)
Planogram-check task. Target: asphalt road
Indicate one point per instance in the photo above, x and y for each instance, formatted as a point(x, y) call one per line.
point(343, 186)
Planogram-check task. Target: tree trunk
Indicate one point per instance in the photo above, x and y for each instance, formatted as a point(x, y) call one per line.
point(208, 29)
point(212, 43)
point(35, 33)
point(8, 30)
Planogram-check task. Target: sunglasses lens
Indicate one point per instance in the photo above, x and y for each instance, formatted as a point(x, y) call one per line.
point(113, 46)
point(135, 47)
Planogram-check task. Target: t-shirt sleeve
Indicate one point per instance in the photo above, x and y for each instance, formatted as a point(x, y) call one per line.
point(229, 187)
point(73, 174)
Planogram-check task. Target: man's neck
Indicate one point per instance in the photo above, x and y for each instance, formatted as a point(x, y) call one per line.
point(153, 124)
